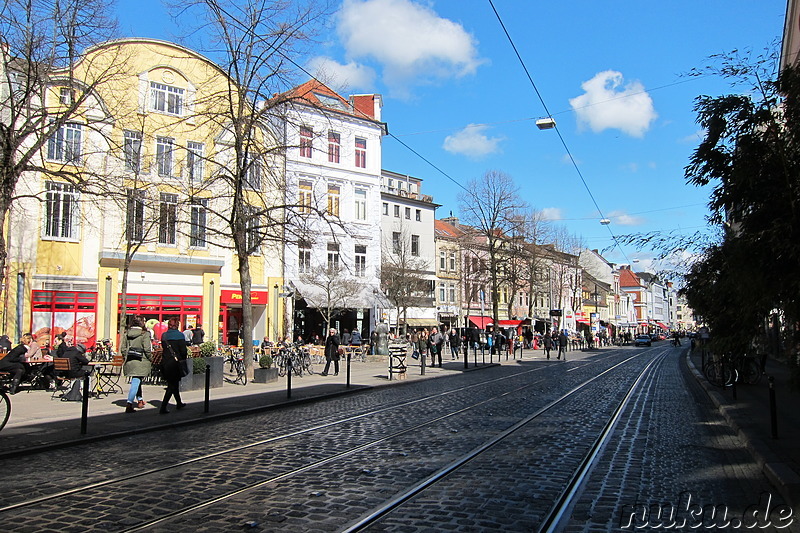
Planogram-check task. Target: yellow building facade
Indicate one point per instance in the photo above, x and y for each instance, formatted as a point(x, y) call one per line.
point(148, 146)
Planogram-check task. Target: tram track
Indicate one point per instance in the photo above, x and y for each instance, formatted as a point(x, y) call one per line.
point(311, 464)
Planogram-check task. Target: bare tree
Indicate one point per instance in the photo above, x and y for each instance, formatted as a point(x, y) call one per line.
point(48, 100)
point(490, 206)
point(401, 276)
point(253, 41)
point(336, 288)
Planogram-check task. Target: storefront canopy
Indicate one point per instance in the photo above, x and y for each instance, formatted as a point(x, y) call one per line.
point(582, 321)
point(481, 322)
point(421, 322)
point(662, 326)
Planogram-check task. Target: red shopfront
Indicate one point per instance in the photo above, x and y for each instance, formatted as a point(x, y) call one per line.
point(230, 313)
point(156, 309)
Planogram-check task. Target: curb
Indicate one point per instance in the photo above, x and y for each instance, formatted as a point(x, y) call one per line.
point(779, 474)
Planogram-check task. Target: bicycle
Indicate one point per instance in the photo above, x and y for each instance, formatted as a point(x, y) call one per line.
point(5, 401)
point(724, 370)
point(237, 373)
point(102, 351)
point(297, 356)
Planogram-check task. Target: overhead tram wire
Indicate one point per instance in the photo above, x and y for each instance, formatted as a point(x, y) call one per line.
point(558, 132)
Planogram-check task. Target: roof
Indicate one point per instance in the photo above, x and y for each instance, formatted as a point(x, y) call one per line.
point(628, 279)
point(445, 229)
point(317, 94)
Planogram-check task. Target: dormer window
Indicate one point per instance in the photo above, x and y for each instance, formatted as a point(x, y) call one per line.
point(66, 96)
point(166, 99)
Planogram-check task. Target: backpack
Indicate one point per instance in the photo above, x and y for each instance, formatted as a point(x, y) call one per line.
point(74, 394)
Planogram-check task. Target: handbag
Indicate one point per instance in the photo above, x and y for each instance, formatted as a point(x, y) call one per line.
point(415, 354)
point(134, 354)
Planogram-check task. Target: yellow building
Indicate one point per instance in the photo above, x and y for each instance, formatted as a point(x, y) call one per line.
point(150, 146)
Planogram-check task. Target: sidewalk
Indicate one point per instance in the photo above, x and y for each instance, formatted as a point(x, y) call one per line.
point(38, 423)
point(749, 415)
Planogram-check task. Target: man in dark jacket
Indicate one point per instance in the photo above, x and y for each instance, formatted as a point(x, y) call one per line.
point(12, 363)
point(78, 362)
point(198, 335)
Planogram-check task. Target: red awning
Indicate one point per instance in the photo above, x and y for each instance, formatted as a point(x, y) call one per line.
point(582, 321)
point(510, 323)
point(662, 326)
point(481, 321)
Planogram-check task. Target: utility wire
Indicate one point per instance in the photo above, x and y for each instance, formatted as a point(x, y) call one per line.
point(558, 132)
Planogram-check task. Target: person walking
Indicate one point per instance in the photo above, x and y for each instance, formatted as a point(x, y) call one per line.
point(422, 345)
point(137, 349)
point(173, 343)
point(455, 343)
point(547, 344)
point(436, 343)
point(198, 335)
point(562, 344)
point(332, 352)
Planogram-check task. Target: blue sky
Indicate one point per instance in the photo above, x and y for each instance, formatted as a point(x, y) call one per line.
point(612, 74)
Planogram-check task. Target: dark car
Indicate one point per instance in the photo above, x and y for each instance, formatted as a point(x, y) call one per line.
point(642, 340)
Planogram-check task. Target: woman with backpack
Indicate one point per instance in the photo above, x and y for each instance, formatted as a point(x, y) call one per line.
point(137, 350)
point(174, 345)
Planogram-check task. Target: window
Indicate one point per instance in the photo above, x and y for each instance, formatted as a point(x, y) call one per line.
point(65, 144)
point(166, 99)
point(333, 200)
point(254, 229)
point(408, 213)
point(304, 258)
point(396, 242)
point(396, 211)
point(361, 152)
point(333, 256)
point(418, 215)
point(442, 292)
point(134, 222)
point(361, 260)
point(66, 96)
point(415, 245)
point(385, 208)
point(306, 136)
point(361, 204)
point(194, 160)
point(442, 261)
point(132, 150)
point(452, 290)
point(252, 173)
point(334, 142)
point(164, 156)
point(304, 197)
point(197, 226)
point(167, 218)
point(452, 261)
point(61, 211)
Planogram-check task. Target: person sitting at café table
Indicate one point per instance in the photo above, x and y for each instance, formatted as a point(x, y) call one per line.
point(78, 362)
point(13, 364)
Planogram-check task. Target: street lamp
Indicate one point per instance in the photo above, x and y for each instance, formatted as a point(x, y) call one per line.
point(546, 123)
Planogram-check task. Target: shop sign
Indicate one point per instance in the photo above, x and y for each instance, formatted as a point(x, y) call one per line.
point(235, 297)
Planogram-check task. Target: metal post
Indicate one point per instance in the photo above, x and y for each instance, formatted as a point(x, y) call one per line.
point(348, 368)
point(422, 363)
point(85, 405)
point(207, 400)
point(773, 408)
point(466, 353)
point(289, 376)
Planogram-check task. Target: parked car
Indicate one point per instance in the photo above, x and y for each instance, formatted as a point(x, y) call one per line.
point(642, 340)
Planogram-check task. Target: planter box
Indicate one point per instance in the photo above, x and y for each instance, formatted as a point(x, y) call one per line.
point(198, 381)
point(265, 375)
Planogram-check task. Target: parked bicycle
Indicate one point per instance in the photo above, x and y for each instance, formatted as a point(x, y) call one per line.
point(102, 351)
point(295, 356)
point(236, 372)
point(724, 370)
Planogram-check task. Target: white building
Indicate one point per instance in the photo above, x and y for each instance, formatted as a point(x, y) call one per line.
point(333, 174)
point(407, 224)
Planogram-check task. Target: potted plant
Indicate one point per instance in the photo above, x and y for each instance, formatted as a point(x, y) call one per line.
point(208, 355)
point(265, 373)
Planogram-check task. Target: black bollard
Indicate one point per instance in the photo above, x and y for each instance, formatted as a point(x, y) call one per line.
point(466, 354)
point(348, 368)
point(422, 363)
point(289, 376)
point(773, 408)
point(207, 399)
point(85, 405)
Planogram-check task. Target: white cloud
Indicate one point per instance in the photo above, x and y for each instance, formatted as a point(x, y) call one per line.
point(408, 39)
point(342, 78)
point(609, 103)
point(472, 142)
point(552, 213)
point(623, 219)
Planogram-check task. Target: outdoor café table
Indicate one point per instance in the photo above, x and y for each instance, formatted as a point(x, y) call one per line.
point(36, 369)
point(103, 382)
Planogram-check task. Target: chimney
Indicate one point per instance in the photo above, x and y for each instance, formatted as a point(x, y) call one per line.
point(368, 104)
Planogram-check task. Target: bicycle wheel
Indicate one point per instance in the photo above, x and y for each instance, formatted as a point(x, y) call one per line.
point(5, 408)
point(718, 374)
point(242, 370)
point(307, 363)
point(751, 371)
point(280, 362)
